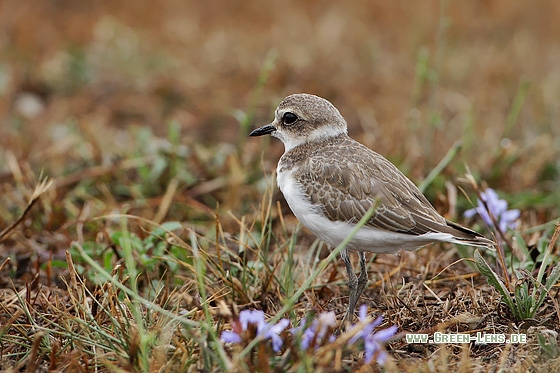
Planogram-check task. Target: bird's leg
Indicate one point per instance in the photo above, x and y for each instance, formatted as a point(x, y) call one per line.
point(353, 285)
point(363, 279)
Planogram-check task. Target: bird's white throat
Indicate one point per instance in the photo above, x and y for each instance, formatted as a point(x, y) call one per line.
point(292, 140)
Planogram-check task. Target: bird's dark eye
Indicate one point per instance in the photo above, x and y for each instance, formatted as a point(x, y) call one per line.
point(290, 118)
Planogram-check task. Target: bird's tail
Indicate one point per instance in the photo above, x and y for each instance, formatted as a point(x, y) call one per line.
point(466, 236)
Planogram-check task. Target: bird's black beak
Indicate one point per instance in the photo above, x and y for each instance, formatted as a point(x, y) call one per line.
point(264, 130)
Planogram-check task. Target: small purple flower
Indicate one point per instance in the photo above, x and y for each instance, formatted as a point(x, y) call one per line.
point(373, 345)
point(317, 332)
point(320, 331)
point(273, 332)
point(373, 342)
point(498, 208)
point(231, 337)
point(368, 328)
point(264, 329)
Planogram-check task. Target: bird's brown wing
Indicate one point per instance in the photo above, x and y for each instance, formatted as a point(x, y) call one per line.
point(345, 187)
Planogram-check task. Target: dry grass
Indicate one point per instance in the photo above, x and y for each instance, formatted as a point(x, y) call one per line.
point(139, 116)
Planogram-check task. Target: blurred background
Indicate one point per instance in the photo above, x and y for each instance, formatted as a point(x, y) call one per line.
point(82, 83)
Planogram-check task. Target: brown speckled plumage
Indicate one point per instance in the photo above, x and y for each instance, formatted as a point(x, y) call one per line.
point(344, 178)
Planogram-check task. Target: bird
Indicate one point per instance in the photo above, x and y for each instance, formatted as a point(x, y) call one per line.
point(330, 181)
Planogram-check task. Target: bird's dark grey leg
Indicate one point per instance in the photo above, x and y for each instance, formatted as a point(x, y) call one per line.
point(353, 285)
point(363, 279)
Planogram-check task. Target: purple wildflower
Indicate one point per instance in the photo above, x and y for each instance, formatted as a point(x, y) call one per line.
point(368, 328)
point(373, 345)
point(498, 208)
point(373, 342)
point(319, 331)
point(264, 329)
point(231, 337)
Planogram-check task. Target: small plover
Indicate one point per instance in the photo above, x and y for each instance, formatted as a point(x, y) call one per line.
point(330, 181)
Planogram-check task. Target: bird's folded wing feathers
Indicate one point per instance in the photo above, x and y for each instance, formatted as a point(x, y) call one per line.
point(346, 188)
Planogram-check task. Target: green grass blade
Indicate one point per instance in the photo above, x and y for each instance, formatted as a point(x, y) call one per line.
point(495, 281)
point(451, 153)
